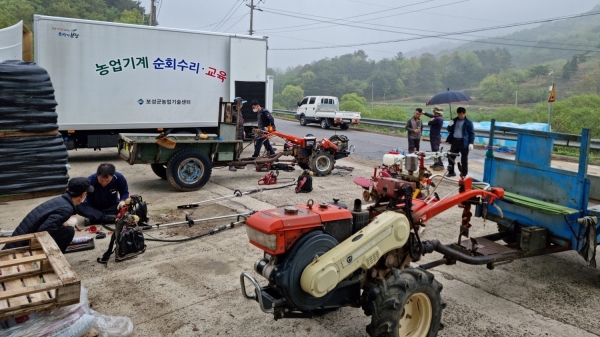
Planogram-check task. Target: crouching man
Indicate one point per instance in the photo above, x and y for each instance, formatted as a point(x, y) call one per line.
point(110, 193)
point(52, 216)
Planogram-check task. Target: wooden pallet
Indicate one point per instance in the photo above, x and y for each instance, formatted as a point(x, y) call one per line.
point(31, 195)
point(35, 278)
point(14, 133)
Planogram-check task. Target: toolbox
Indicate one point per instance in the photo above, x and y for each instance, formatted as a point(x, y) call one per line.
point(533, 238)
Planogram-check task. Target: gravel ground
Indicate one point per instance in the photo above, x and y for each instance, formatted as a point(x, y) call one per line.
point(193, 289)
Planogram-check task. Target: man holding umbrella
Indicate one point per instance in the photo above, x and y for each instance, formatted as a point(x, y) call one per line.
point(461, 137)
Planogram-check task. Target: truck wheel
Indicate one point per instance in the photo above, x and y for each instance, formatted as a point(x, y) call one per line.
point(321, 163)
point(302, 120)
point(324, 123)
point(344, 126)
point(189, 170)
point(160, 170)
point(409, 304)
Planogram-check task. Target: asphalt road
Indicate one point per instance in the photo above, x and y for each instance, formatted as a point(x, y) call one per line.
point(370, 147)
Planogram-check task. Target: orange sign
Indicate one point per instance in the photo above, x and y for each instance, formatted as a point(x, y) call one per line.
point(551, 98)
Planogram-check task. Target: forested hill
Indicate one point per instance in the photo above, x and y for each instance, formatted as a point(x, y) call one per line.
point(126, 11)
point(566, 38)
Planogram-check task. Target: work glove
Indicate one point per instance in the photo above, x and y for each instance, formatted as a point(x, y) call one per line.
point(451, 122)
point(121, 204)
point(470, 147)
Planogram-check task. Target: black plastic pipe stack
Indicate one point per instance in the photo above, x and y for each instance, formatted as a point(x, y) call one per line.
point(33, 158)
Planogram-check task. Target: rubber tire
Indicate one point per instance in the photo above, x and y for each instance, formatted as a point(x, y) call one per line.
point(344, 126)
point(180, 158)
point(303, 120)
point(388, 306)
point(160, 170)
point(324, 123)
point(314, 160)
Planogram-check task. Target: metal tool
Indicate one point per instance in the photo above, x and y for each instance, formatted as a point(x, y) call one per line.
point(190, 222)
point(236, 193)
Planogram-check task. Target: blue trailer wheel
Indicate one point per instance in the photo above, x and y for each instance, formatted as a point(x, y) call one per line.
point(189, 170)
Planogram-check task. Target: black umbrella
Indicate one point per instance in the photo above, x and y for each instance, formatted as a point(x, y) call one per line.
point(447, 97)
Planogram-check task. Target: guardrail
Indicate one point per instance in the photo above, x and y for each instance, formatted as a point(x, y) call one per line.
point(594, 144)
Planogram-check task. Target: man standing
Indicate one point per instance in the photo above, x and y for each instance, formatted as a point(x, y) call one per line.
point(110, 193)
point(461, 137)
point(239, 124)
point(435, 134)
point(414, 129)
point(52, 216)
point(265, 119)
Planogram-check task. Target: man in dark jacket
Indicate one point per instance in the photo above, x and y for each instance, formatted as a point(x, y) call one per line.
point(461, 137)
point(435, 134)
point(52, 215)
point(414, 129)
point(110, 193)
point(265, 119)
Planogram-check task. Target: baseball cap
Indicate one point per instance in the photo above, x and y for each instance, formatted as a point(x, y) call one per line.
point(243, 101)
point(77, 186)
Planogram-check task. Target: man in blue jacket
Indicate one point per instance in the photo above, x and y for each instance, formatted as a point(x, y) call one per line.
point(265, 119)
point(461, 138)
point(52, 215)
point(435, 134)
point(110, 193)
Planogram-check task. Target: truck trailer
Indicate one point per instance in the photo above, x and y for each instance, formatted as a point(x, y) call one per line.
point(112, 78)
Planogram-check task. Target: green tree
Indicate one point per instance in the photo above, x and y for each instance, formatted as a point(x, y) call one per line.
point(538, 70)
point(290, 96)
point(590, 83)
point(353, 102)
point(573, 114)
point(132, 16)
point(497, 89)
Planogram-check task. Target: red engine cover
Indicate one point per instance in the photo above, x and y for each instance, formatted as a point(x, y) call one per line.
point(289, 223)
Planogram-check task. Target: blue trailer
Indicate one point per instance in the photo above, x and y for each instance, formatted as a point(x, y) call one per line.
point(544, 209)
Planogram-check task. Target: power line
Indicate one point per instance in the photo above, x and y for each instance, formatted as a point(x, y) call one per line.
point(223, 19)
point(159, 7)
point(230, 15)
point(441, 35)
point(212, 24)
point(361, 15)
point(236, 22)
point(420, 30)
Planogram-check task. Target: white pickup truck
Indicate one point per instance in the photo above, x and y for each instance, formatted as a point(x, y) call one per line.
point(325, 111)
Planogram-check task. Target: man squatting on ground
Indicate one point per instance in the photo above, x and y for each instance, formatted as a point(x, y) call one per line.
point(110, 193)
point(414, 129)
point(461, 137)
point(52, 216)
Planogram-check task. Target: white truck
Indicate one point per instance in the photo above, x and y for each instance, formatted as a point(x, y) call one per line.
point(112, 78)
point(325, 110)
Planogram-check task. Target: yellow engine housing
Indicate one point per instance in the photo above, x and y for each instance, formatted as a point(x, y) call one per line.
point(388, 231)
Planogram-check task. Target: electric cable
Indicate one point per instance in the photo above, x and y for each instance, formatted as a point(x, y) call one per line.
point(441, 35)
point(235, 11)
point(225, 17)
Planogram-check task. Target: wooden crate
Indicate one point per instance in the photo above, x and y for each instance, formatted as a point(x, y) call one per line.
point(35, 278)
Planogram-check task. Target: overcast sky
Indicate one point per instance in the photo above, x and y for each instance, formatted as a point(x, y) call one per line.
point(305, 24)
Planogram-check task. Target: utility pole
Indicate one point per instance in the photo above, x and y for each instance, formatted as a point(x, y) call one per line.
point(517, 93)
point(372, 106)
point(153, 13)
point(251, 15)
